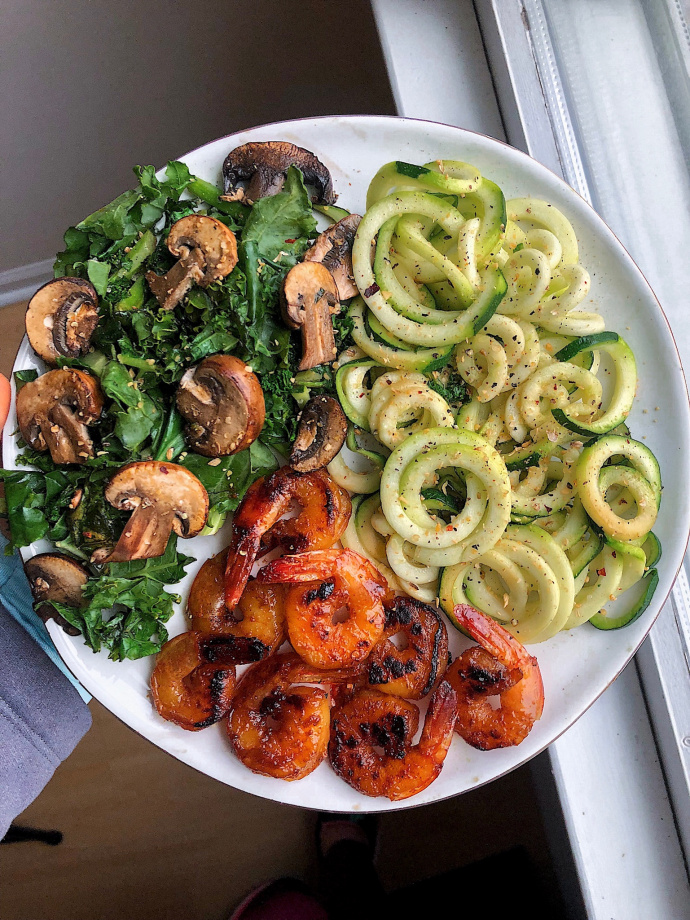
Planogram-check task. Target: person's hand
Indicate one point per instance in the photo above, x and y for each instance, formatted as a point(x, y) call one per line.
point(4, 412)
point(4, 401)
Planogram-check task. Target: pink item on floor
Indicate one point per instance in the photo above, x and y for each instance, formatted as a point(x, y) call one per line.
point(284, 899)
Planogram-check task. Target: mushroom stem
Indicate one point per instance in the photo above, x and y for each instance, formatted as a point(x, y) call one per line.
point(61, 448)
point(145, 536)
point(169, 289)
point(74, 323)
point(318, 341)
point(309, 297)
point(207, 252)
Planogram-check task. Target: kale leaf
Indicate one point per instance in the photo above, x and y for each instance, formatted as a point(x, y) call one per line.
point(281, 223)
point(126, 606)
point(227, 481)
point(450, 385)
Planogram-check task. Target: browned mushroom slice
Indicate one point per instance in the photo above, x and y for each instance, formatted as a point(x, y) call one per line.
point(308, 298)
point(333, 248)
point(55, 578)
point(265, 166)
point(207, 252)
point(171, 288)
point(223, 403)
point(54, 410)
point(164, 497)
point(320, 434)
point(216, 242)
point(61, 318)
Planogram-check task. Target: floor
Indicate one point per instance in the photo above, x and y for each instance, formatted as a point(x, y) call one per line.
point(147, 836)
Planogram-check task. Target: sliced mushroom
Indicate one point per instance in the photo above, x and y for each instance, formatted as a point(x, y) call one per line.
point(61, 318)
point(333, 248)
point(171, 288)
point(54, 410)
point(320, 434)
point(265, 165)
point(56, 578)
point(164, 497)
point(223, 402)
point(207, 252)
point(308, 298)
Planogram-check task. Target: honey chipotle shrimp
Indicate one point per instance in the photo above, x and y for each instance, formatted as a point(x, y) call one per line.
point(413, 670)
point(256, 626)
point(371, 742)
point(499, 666)
point(277, 726)
point(324, 511)
point(327, 582)
point(193, 680)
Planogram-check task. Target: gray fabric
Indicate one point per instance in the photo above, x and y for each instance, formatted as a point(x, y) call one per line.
point(42, 718)
point(15, 594)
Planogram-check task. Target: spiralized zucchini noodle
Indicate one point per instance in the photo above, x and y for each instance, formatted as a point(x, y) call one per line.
point(527, 498)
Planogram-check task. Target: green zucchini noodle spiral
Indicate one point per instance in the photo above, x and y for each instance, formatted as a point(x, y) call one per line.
point(488, 451)
point(403, 403)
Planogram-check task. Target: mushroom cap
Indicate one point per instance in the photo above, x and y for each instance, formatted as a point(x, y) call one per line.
point(266, 164)
point(320, 434)
point(168, 487)
point(61, 318)
point(333, 248)
point(54, 410)
point(223, 402)
point(56, 578)
point(216, 241)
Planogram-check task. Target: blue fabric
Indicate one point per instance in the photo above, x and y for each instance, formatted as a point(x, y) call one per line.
point(42, 718)
point(15, 595)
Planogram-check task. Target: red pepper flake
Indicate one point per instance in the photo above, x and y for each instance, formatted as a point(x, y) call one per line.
point(601, 572)
point(164, 470)
point(291, 241)
point(372, 289)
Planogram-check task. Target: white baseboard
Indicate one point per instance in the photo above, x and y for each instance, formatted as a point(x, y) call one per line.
point(20, 283)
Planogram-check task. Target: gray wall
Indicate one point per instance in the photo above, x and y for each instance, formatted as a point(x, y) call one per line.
point(92, 87)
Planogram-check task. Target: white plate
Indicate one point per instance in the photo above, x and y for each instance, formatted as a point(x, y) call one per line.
point(578, 665)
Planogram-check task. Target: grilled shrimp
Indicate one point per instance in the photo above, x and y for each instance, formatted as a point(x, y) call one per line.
point(256, 626)
point(257, 526)
point(371, 721)
point(499, 666)
point(277, 728)
point(193, 680)
point(336, 579)
point(411, 671)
